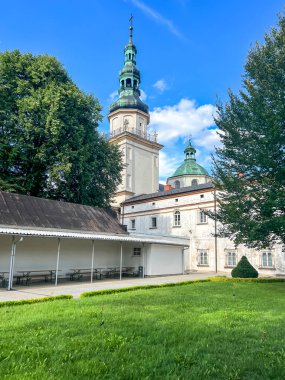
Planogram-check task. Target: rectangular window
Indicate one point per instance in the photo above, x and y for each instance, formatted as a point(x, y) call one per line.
point(153, 222)
point(203, 257)
point(202, 217)
point(133, 224)
point(177, 220)
point(231, 259)
point(137, 251)
point(266, 260)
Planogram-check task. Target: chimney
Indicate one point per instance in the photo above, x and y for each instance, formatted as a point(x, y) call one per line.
point(167, 187)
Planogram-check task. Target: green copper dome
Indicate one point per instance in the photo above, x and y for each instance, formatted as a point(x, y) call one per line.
point(129, 92)
point(190, 166)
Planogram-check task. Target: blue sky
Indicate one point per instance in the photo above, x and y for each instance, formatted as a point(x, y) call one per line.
point(189, 53)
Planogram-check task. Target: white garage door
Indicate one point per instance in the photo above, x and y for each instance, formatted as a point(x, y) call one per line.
point(165, 259)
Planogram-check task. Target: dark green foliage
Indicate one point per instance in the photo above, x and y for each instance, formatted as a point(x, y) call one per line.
point(49, 143)
point(250, 166)
point(244, 269)
point(36, 300)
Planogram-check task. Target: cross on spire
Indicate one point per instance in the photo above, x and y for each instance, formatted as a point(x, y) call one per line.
point(131, 28)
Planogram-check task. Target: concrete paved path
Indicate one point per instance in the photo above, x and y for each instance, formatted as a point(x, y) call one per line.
point(75, 288)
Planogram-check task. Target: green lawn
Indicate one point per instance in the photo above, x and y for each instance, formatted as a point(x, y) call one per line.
point(197, 331)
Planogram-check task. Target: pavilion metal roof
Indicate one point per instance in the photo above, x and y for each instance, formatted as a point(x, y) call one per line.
point(91, 236)
point(25, 211)
point(22, 215)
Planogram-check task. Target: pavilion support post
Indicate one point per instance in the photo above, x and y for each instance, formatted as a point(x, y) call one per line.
point(12, 261)
point(57, 261)
point(121, 261)
point(92, 261)
point(11, 270)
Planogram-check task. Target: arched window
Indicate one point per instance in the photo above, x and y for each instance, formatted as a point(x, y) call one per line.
point(194, 182)
point(177, 219)
point(177, 184)
point(130, 56)
point(135, 83)
point(128, 82)
point(122, 83)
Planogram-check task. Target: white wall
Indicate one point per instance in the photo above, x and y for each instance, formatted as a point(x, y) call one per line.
point(186, 180)
point(141, 172)
point(164, 260)
point(35, 253)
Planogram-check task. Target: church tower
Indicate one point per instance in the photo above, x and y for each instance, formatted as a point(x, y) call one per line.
point(129, 118)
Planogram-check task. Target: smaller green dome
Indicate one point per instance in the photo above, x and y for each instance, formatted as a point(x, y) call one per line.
point(190, 167)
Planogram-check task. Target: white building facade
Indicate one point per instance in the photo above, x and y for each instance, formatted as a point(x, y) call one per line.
point(180, 212)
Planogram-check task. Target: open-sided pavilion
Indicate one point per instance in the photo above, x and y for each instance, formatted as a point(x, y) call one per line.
point(59, 240)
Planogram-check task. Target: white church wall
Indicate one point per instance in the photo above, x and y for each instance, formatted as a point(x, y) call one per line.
point(186, 180)
point(200, 233)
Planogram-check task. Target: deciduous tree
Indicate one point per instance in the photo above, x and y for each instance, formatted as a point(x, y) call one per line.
point(49, 140)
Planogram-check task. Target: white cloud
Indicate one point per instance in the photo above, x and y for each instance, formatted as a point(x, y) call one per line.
point(168, 164)
point(175, 124)
point(183, 119)
point(143, 95)
point(157, 17)
point(113, 96)
point(160, 85)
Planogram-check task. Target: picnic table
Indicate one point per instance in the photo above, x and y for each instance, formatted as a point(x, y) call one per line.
point(126, 271)
point(3, 278)
point(27, 276)
point(99, 273)
point(79, 273)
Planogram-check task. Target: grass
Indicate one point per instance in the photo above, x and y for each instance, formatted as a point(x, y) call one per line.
point(199, 331)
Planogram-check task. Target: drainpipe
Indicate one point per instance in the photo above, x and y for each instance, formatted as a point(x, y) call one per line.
point(122, 214)
point(183, 259)
point(216, 236)
point(121, 261)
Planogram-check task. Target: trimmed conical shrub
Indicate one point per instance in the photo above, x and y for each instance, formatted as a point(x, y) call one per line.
point(244, 269)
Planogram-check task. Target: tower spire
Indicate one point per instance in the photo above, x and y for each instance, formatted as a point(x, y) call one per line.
point(129, 91)
point(131, 29)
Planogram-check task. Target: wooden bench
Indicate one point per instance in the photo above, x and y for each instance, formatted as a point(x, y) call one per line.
point(27, 278)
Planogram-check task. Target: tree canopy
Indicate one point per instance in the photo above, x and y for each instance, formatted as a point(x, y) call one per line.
point(49, 141)
point(249, 168)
